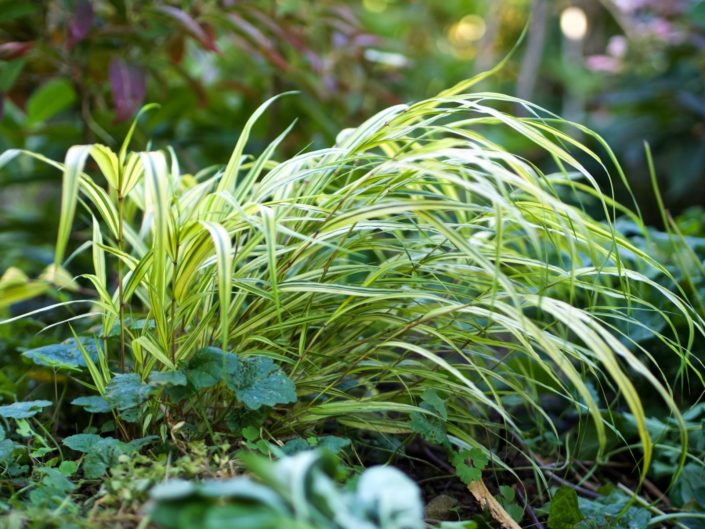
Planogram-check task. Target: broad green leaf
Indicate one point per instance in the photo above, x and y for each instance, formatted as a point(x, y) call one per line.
point(50, 99)
point(23, 410)
point(83, 442)
point(92, 404)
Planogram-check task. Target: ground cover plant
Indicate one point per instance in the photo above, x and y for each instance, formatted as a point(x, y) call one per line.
point(414, 294)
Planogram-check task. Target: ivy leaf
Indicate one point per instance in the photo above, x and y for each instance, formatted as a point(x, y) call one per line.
point(92, 404)
point(465, 472)
point(211, 365)
point(564, 512)
point(429, 427)
point(508, 497)
point(469, 464)
point(479, 458)
point(167, 378)
point(64, 355)
point(435, 403)
point(126, 391)
point(260, 382)
point(432, 428)
point(23, 410)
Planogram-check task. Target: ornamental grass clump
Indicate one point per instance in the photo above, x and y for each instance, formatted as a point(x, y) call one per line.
point(415, 267)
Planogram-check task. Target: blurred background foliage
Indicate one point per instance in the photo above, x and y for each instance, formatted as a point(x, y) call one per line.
point(77, 71)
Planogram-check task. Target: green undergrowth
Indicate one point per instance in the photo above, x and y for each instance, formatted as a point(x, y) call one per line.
point(414, 293)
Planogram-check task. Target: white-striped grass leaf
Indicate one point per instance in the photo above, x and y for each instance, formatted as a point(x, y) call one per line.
point(99, 255)
point(224, 260)
point(122, 155)
point(107, 162)
point(229, 179)
point(155, 350)
point(73, 167)
point(157, 203)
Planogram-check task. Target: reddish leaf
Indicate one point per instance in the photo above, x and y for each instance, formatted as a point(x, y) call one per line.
point(80, 23)
point(13, 50)
point(176, 49)
point(129, 86)
point(192, 27)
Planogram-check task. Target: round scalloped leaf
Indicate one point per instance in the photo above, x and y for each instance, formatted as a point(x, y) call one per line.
point(126, 391)
point(23, 410)
point(260, 382)
point(92, 404)
point(64, 355)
